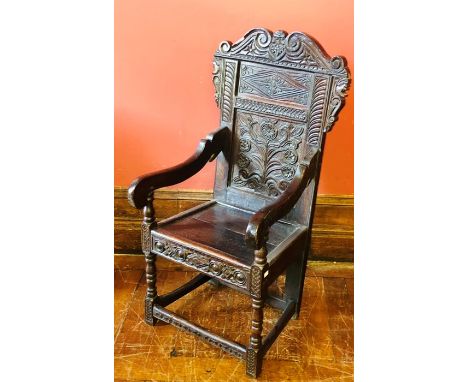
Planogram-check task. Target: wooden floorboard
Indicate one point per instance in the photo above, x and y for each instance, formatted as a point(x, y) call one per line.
point(125, 285)
point(316, 347)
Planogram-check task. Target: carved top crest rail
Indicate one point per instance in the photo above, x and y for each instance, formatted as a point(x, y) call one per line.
point(294, 51)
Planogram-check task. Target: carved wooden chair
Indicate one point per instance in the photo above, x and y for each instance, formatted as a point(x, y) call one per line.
point(278, 95)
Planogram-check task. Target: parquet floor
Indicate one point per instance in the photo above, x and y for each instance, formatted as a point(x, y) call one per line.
point(316, 347)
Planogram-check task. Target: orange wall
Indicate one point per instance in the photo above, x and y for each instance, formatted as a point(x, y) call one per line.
point(163, 91)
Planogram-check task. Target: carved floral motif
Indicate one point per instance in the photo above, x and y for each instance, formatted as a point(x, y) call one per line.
point(201, 262)
point(267, 153)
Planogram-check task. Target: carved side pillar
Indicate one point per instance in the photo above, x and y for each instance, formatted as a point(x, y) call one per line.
point(150, 258)
point(254, 358)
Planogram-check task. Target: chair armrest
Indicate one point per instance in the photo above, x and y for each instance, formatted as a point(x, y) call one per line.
point(207, 150)
point(259, 225)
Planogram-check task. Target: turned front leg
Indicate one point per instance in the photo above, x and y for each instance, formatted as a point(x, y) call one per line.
point(150, 258)
point(254, 356)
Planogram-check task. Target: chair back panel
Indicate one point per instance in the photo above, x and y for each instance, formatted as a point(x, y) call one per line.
point(278, 94)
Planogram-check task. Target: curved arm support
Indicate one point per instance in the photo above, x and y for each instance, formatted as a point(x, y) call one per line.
point(259, 225)
point(207, 150)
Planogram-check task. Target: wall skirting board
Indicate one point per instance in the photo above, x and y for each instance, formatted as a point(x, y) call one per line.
point(332, 230)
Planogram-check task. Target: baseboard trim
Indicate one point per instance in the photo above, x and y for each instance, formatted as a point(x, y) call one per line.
point(332, 230)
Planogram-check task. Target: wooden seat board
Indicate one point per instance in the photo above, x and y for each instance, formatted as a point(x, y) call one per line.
point(222, 228)
point(237, 220)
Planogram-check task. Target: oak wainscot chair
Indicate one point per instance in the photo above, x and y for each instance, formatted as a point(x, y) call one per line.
point(278, 95)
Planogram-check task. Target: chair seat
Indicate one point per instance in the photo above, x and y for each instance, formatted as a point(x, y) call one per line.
point(209, 237)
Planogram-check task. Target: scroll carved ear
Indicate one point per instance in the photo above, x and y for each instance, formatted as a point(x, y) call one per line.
point(338, 92)
point(257, 232)
point(217, 80)
point(220, 139)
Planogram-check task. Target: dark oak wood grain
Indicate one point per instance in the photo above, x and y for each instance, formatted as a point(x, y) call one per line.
point(278, 95)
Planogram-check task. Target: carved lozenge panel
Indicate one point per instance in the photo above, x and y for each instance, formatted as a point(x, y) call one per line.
point(266, 154)
point(275, 84)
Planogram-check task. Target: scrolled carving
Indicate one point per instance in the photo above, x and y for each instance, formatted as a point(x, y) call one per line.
point(296, 50)
point(342, 86)
point(293, 51)
point(268, 163)
point(201, 262)
point(256, 41)
point(338, 63)
point(217, 80)
point(339, 89)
